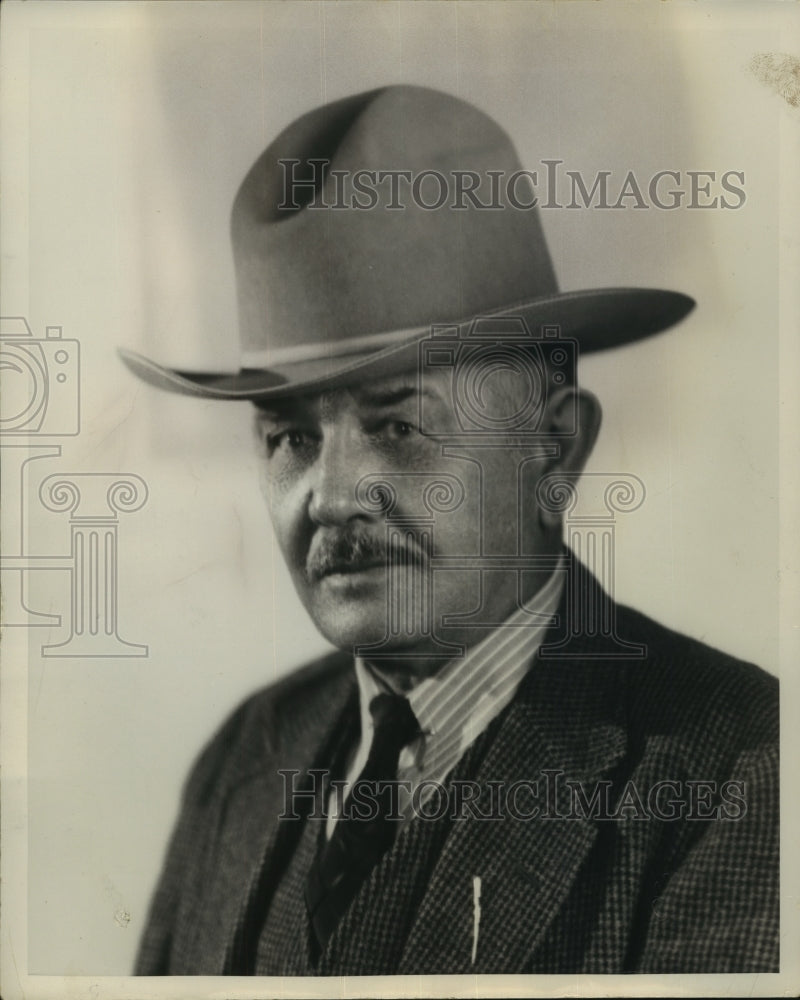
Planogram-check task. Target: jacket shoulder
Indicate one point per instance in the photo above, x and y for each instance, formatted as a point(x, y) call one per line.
point(682, 686)
point(260, 721)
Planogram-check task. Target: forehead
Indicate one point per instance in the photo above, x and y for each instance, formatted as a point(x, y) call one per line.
point(393, 390)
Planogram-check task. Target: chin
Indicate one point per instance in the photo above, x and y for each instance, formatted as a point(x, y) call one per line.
point(349, 632)
point(352, 611)
point(346, 631)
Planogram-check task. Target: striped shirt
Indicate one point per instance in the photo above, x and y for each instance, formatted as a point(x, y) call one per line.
point(454, 706)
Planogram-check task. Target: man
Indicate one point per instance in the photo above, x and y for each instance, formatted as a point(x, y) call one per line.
point(501, 770)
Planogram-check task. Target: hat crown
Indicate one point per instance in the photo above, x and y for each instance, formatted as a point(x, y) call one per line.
point(337, 234)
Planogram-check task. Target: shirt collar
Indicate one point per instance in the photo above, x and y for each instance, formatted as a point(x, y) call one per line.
point(456, 704)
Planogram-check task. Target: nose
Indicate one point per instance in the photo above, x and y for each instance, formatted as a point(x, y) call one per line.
point(339, 466)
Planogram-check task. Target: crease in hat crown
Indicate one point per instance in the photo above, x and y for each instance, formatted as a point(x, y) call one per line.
point(324, 290)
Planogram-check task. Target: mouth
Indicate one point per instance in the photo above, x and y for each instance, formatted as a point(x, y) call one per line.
point(353, 568)
point(349, 562)
point(366, 571)
point(354, 579)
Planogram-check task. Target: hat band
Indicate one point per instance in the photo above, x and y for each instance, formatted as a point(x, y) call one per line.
point(266, 357)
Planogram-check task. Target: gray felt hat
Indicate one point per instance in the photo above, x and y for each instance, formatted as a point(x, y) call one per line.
point(352, 237)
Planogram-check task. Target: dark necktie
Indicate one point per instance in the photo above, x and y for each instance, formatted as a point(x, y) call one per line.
point(358, 843)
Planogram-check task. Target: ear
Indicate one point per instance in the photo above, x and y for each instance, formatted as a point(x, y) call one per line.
point(571, 408)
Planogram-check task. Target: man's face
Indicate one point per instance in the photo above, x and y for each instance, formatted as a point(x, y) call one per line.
point(317, 452)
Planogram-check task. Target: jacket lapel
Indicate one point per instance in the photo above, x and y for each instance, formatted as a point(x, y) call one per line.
point(567, 719)
point(526, 866)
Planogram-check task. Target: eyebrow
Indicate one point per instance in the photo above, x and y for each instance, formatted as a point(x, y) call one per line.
point(392, 396)
point(287, 409)
point(275, 411)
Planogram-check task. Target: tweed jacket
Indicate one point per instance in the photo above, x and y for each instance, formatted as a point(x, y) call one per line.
point(575, 890)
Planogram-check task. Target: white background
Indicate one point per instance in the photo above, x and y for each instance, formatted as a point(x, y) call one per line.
point(132, 127)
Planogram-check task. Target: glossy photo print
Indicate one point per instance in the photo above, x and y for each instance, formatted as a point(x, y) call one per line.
point(399, 499)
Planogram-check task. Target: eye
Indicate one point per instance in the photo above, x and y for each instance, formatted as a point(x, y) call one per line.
point(290, 439)
point(399, 428)
point(392, 431)
point(295, 438)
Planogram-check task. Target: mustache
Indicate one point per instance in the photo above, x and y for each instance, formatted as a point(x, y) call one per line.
point(351, 551)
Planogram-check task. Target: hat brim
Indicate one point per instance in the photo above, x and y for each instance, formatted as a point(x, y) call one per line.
point(598, 319)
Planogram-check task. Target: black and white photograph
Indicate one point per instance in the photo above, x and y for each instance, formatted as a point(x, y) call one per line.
point(400, 498)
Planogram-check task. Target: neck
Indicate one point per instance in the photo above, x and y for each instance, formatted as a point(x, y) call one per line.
point(404, 672)
point(403, 675)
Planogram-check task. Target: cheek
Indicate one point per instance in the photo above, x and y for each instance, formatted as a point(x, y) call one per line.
point(458, 533)
point(499, 510)
point(286, 508)
point(265, 485)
